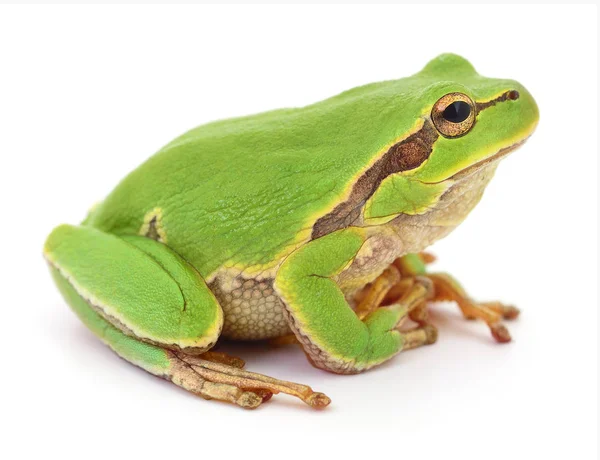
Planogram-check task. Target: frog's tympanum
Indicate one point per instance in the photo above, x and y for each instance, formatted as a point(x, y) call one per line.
point(303, 225)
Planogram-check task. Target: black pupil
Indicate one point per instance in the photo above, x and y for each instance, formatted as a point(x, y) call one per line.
point(457, 112)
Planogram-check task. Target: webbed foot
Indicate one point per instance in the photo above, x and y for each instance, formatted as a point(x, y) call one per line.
point(492, 313)
point(412, 269)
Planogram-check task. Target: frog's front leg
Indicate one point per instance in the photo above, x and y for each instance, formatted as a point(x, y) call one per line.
point(334, 337)
point(155, 311)
point(446, 288)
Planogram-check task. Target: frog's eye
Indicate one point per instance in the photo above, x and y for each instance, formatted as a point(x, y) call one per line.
point(453, 114)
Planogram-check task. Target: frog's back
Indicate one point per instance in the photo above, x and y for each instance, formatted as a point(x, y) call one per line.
point(246, 191)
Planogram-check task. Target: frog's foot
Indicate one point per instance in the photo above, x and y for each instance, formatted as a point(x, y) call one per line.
point(223, 358)
point(446, 288)
point(419, 336)
point(372, 298)
point(427, 257)
point(213, 379)
point(416, 291)
point(508, 312)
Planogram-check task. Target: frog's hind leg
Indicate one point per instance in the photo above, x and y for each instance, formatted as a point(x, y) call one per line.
point(139, 286)
point(154, 359)
point(155, 311)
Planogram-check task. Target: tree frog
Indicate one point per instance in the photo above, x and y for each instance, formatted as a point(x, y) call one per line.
point(303, 225)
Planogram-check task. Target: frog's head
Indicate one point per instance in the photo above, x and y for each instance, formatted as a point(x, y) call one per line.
point(465, 124)
point(478, 120)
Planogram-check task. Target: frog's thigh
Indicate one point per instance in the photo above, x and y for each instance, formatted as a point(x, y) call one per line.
point(330, 332)
point(170, 365)
point(139, 286)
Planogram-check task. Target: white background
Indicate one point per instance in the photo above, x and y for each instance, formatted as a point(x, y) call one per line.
point(88, 93)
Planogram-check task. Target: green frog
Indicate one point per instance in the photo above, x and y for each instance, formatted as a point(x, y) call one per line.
point(303, 225)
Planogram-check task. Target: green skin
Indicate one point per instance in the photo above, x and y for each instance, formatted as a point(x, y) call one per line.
point(153, 268)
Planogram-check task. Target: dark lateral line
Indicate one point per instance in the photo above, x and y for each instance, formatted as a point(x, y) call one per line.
point(403, 156)
point(511, 95)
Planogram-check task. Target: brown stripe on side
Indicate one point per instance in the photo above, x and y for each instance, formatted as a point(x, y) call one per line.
point(403, 156)
point(511, 95)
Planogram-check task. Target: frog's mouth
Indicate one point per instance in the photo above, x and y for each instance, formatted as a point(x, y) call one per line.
point(503, 152)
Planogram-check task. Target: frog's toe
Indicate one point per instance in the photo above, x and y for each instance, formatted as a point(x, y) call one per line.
point(492, 313)
point(223, 358)
point(216, 379)
point(187, 372)
point(508, 312)
point(318, 400)
point(249, 400)
point(500, 333)
point(511, 312)
point(264, 394)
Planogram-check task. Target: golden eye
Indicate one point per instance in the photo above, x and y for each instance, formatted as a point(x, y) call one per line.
point(453, 114)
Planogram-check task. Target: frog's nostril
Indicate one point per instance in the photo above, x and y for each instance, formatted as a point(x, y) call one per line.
point(513, 95)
